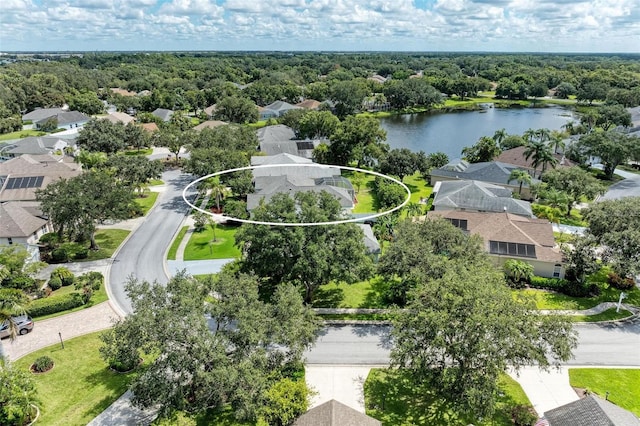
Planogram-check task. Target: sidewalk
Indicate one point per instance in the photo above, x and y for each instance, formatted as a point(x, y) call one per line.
point(546, 390)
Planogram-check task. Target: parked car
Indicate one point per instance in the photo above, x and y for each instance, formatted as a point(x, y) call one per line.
point(24, 323)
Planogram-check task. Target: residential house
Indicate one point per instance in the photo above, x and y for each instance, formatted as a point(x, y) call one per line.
point(370, 241)
point(509, 236)
point(589, 411)
point(210, 124)
point(150, 127)
point(275, 109)
point(210, 111)
point(66, 120)
point(163, 114)
point(20, 177)
point(478, 196)
point(516, 157)
point(334, 413)
point(22, 222)
point(281, 139)
point(311, 104)
point(41, 113)
point(37, 145)
point(119, 117)
point(492, 172)
point(377, 79)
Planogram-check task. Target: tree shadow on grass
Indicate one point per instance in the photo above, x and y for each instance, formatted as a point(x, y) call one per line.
point(392, 397)
point(375, 298)
point(328, 297)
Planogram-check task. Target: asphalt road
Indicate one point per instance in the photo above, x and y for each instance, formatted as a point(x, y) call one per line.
point(610, 344)
point(143, 253)
point(629, 187)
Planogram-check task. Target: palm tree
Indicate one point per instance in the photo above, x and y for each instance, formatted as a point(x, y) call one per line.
point(543, 135)
point(556, 199)
point(529, 135)
point(521, 176)
point(540, 154)
point(215, 189)
point(413, 209)
point(499, 136)
point(546, 158)
point(10, 308)
point(556, 141)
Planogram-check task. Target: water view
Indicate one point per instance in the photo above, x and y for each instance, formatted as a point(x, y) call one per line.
point(451, 132)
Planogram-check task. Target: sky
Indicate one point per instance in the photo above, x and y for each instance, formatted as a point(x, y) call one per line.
point(321, 25)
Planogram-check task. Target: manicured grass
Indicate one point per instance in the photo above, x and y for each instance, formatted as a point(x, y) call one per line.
point(608, 315)
point(367, 202)
point(201, 245)
point(623, 385)
point(156, 182)
point(80, 385)
point(146, 201)
point(420, 189)
point(390, 396)
point(108, 240)
point(20, 134)
point(173, 250)
point(551, 300)
point(628, 169)
point(146, 151)
point(364, 294)
point(354, 317)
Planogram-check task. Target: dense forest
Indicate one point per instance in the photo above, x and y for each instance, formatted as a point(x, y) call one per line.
point(192, 81)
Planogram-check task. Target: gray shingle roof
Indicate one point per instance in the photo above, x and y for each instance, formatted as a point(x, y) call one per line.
point(41, 113)
point(590, 411)
point(370, 240)
point(65, 118)
point(292, 185)
point(163, 114)
point(280, 107)
point(334, 413)
point(35, 145)
point(492, 171)
point(480, 196)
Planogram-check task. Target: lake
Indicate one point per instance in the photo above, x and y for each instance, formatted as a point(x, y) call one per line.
point(450, 132)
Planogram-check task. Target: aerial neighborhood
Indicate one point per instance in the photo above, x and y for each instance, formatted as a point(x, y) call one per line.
point(243, 238)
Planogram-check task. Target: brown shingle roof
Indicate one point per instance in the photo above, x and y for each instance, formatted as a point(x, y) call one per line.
point(516, 156)
point(210, 124)
point(20, 219)
point(309, 104)
point(150, 127)
point(334, 413)
point(509, 228)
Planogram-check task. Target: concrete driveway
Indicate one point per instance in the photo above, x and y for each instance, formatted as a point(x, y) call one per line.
point(343, 383)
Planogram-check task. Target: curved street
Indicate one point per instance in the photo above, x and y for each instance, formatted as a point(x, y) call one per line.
point(142, 255)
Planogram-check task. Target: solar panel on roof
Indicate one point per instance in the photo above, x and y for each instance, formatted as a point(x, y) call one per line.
point(25, 182)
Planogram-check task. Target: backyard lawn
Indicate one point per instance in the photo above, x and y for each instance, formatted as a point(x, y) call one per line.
point(20, 134)
point(390, 396)
point(623, 385)
point(202, 245)
point(366, 202)
point(80, 386)
point(363, 294)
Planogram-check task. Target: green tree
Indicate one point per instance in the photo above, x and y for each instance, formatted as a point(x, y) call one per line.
point(613, 148)
point(348, 96)
point(17, 393)
point(520, 176)
point(461, 331)
point(228, 360)
point(236, 110)
point(540, 154)
point(565, 89)
point(388, 194)
point(575, 182)
point(592, 91)
point(486, 149)
point(75, 205)
point(135, 171)
point(518, 273)
point(399, 162)
point(308, 256)
point(318, 125)
point(102, 136)
point(135, 136)
point(613, 115)
point(285, 401)
point(86, 102)
point(615, 224)
point(91, 160)
point(359, 139)
point(580, 259)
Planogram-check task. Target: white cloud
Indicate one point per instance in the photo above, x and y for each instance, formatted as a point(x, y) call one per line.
point(576, 25)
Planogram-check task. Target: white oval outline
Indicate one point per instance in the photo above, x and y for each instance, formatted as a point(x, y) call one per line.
point(266, 166)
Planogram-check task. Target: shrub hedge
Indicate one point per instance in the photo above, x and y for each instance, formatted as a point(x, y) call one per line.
point(54, 304)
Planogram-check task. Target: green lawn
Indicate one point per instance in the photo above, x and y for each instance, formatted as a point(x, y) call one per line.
point(551, 300)
point(156, 182)
point(628, 169)
point(390, 396)
point(146, 201)
point(80, 386)
point(146, 151)
point(108, 240)
point(201, 245)
point(173, 250)
point(364, 294)
point(623, 385)
point(21, 134)
point(608, 315)
point(367, 203)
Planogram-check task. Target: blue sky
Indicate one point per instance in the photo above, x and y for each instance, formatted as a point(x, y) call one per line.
point(401, 25)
